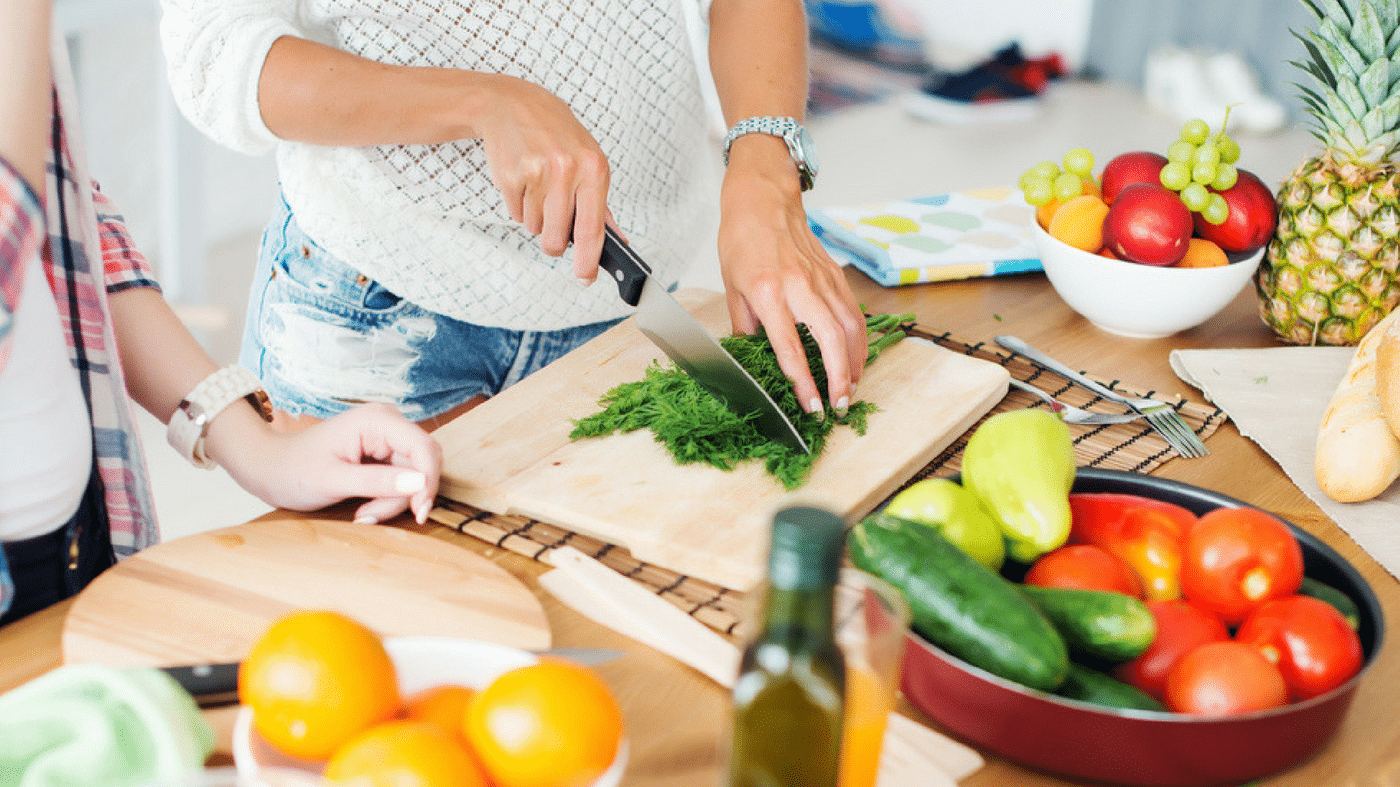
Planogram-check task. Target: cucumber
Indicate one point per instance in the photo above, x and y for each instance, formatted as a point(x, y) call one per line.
point(959, 604)
point(1100, 623)
point(1089, 685)
point(1341, 601)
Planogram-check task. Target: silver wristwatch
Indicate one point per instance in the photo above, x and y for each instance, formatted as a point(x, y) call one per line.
point(799, 143)
point(189, 424)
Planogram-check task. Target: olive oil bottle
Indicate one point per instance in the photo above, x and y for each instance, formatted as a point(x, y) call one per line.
point(788, 697)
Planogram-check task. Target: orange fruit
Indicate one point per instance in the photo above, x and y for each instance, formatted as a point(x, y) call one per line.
point(445, 706)
point(550, 724)
point(1079, 223)
point(315, 679)
point(1046, 212)
point(1202, 253)
point(404, 754)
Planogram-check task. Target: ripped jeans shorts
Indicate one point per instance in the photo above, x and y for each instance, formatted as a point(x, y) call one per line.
point(323, 337)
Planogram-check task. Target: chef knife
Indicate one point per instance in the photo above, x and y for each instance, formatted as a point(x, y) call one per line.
point(213, 685)
point(691, 347)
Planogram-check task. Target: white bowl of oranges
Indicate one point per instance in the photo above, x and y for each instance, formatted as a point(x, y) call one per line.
point(1155, 244)
point(323, 697)
point(1136, 300)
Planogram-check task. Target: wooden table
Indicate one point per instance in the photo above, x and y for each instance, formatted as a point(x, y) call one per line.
point(676, 717)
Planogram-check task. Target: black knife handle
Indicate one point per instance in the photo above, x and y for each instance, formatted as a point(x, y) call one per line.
point(209, 684)
point(626, 268)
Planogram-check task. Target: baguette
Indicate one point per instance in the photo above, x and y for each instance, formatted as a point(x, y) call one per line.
point(1388, 374)
point(1358, 456)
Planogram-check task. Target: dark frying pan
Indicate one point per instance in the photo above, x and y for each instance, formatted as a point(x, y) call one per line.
point(1087, 741)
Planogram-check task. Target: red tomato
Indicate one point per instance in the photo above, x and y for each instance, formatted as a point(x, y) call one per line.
point(1083, 566)
point(1223, 678)
point(1180, 628)
point(1235, 559)
point(1144, 533)
point(1309, 640)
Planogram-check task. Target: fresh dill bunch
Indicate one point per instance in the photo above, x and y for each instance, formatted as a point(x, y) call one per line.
point(695, 426)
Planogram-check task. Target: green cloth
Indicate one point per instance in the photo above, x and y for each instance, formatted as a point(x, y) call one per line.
point(87, 725)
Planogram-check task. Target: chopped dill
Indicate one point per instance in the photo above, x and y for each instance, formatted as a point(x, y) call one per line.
point(694, 426)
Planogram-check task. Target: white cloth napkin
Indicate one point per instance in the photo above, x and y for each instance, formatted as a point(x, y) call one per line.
point(1277, 397)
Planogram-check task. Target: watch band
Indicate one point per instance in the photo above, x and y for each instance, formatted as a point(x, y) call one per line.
point(189, 424)
point(792, 133)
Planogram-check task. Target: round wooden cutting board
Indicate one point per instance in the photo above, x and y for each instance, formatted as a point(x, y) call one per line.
point(206, 598)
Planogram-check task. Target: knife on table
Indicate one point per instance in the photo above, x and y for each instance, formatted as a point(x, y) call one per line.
point(213, 685)
point(691, 347)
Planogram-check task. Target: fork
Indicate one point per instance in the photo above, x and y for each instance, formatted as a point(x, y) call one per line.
point(1074, 415)
point(1160, 415)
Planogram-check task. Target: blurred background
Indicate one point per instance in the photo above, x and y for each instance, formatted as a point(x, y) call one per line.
point(1128, 70)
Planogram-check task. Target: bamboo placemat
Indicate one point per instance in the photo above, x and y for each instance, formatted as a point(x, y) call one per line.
point(1130, 446)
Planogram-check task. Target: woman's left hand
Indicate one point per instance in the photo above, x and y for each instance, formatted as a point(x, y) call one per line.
point(776, 273)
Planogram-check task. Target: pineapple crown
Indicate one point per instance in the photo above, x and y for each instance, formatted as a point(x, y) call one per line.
point(1354, 54)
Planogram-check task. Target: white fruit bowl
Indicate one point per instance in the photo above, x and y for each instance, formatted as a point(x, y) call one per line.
point(1135, 300)
point(421, 663)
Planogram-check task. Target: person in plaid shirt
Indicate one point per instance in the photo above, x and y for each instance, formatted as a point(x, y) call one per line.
point(84, 331)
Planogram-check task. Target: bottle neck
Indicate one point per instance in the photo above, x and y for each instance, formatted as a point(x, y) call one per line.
point(798, 615)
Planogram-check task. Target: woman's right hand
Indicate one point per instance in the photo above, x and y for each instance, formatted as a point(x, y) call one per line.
point(549, 169)
point(551, 172)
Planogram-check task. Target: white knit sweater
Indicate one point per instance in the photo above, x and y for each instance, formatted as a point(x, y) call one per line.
point(425, 220)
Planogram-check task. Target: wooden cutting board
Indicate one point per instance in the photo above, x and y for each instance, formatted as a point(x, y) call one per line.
point(206, 598)
point(513, 455)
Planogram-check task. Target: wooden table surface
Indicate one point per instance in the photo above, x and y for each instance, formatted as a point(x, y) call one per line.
point(676, 717)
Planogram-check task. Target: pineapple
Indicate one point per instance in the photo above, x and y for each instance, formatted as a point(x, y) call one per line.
point(1330, 271)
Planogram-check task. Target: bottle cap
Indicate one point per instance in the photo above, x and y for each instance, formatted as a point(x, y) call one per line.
point(806, 548)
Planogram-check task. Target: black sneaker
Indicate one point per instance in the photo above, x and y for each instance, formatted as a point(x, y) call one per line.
point(1003, 89)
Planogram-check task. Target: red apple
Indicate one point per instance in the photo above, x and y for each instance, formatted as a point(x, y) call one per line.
point(1128, 168)
point(1253, 216)
point(1148, 223)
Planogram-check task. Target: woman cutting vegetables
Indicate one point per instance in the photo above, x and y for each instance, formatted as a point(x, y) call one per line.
point(447, 169)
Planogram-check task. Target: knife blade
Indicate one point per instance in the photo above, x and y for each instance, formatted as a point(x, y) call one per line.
point(686, 342)
point(213, 685)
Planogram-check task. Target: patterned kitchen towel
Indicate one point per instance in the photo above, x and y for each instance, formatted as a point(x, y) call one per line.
point(961, 235)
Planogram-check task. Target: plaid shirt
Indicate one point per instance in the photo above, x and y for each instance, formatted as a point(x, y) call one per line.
point(84, 231)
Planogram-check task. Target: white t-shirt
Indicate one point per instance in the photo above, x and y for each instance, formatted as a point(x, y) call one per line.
point(44, 424)
point(426, 220)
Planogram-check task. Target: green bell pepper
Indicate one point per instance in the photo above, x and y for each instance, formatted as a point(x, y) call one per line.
point(957, 513)
point(1021, 465)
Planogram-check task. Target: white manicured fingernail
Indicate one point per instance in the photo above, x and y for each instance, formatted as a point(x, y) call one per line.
point(842, 404)
point(366, 520)
point(815, 408)
point(585, 283)
point(409, 482)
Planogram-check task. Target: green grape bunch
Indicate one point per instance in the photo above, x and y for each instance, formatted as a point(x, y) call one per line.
point(1199, 161)
point(1047, 181)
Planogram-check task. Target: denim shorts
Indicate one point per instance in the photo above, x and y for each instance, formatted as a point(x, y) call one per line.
point(323, 337)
